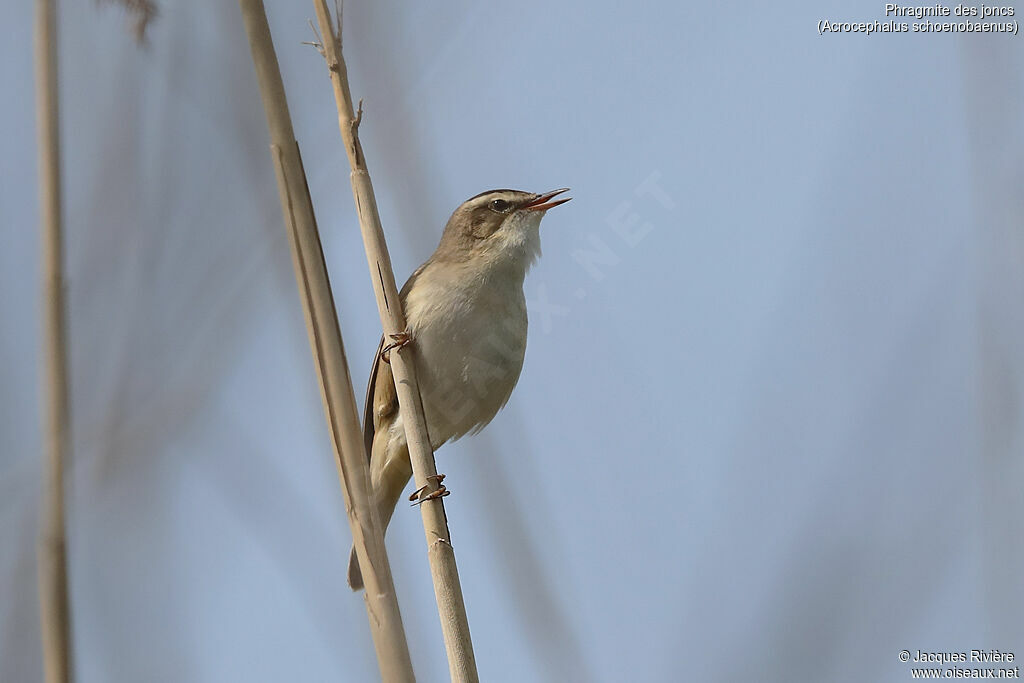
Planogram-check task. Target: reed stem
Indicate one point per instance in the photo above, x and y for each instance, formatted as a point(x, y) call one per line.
point(329, 355)
point(447, 588)
point(55, 612)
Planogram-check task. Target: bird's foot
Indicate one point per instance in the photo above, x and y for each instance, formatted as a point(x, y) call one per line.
point(401, 340)
point(441, 492)
point(418, 497)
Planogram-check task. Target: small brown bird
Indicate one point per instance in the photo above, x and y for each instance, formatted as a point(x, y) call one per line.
point(466, 314)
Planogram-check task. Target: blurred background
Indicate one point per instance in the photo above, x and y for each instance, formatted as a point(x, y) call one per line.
point(770, 425)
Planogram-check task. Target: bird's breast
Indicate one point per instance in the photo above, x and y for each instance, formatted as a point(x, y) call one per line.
point(470, 338)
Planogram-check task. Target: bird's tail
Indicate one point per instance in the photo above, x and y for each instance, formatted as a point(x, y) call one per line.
point(388, 477)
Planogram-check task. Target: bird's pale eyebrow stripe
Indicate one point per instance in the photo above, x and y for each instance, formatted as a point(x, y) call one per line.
point(486, 193)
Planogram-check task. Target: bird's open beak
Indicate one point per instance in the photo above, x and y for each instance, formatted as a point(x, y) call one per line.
point(542, 202)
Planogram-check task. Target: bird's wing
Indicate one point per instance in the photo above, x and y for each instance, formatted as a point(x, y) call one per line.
point(381, 397)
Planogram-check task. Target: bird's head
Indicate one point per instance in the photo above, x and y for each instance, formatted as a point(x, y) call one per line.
point(498, 227)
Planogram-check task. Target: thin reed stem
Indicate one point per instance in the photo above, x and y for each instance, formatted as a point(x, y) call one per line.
point(447, 588)
point(53, 576)
point(329, 356)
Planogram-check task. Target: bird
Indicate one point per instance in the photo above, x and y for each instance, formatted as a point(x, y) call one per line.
point(465, 312)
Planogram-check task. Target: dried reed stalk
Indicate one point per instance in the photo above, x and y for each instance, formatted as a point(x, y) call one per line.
point(52, 554)
point(447, 589)
point(329, 355)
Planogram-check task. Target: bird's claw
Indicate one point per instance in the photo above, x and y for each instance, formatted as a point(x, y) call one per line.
point(418, 497)
point(434, 477)
point(401, 340)
point(441, 492)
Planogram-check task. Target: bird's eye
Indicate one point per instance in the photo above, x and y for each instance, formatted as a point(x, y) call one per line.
point(499, 205)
